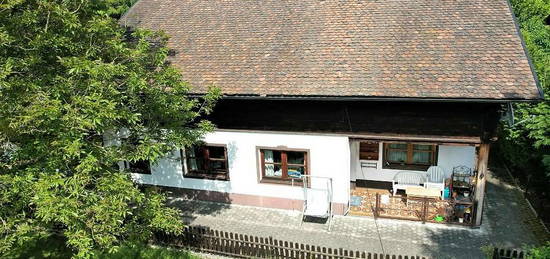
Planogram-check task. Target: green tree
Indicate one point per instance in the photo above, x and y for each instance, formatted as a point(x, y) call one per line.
point(539, 252)
point(526, 144)
point(69, 74)
point(531, 16)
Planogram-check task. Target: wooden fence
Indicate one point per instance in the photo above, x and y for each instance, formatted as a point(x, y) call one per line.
point(418, 209)
point(246, 246)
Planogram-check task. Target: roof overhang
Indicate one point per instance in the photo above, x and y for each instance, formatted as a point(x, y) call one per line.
point(420, 138)
point(370, 98)
point(451, 140)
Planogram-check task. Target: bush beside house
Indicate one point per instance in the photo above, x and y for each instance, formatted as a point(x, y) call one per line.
point(525, 145)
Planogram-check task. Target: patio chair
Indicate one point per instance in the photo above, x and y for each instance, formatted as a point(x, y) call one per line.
point(436, 179)
point(318, 199)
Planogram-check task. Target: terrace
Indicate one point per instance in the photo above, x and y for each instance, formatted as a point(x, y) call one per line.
point(377, 235)
point(380, 203)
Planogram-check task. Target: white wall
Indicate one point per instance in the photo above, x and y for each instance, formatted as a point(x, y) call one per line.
point(451, 156)
point(329, 156)
point(448, 157)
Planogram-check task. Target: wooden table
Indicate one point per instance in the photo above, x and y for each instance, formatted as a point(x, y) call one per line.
point(421, 192)
point(417, 191)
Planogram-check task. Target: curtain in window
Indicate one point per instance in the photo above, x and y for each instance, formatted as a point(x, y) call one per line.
point(421, 157)
point(271, 170)
point(397, 156)
point(193, 166)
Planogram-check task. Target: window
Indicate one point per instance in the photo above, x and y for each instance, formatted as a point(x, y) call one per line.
point(368, 150)
point(138, 167)
point(207, 162)
point(283, 166)
point(409, 156)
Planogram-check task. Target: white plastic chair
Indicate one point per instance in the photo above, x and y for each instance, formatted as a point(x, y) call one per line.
point(318, 199)
point(436, 178)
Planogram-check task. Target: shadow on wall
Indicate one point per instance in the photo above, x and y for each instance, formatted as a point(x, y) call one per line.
point(503, 225)
point(231, 154)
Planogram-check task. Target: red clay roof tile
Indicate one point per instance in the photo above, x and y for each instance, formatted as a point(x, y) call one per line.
point(390, 48)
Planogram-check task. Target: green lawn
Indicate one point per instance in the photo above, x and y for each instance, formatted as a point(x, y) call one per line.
point(55, 248)
point(149, 252)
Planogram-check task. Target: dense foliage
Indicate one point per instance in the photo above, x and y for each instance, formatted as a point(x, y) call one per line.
point(69, 74)
point(55, 247)
point(526, 143)
point(542, 251)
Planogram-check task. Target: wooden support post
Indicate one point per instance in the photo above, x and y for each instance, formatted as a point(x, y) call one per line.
point(482, 160)
point(376, 206)
point(424, 210)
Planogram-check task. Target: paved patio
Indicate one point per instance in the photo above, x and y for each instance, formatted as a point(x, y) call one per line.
point(502, 226)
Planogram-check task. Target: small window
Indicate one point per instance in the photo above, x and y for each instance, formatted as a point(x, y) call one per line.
point(283, 166)
point(368, 150)
point(409, 156)
point(206, 162)
point(138, 167)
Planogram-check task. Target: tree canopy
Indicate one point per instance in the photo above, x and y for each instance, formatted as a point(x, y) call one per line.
point(525, 145)
point(69, 74)
point(532, 16)
point(527, 141)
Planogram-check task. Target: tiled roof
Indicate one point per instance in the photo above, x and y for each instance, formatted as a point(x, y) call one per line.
point(372, 48)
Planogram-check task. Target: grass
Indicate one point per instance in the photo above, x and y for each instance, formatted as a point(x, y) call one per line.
point(54, 247)
point(149, 252)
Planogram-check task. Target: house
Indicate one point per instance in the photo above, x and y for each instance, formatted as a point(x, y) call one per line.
point(362, 92)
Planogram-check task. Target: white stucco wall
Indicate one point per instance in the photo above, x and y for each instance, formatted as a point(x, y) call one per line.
point(451, 156)
point(448, 157)
point(328, 157)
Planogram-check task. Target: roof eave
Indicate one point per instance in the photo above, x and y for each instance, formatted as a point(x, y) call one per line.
point(370, 98)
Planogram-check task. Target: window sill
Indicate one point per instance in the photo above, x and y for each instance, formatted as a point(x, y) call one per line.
point(206, 176)
point(139, 172)
point(282, 181)
point(407, 167)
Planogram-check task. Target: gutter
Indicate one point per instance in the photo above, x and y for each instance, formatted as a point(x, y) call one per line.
point(369, 98)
